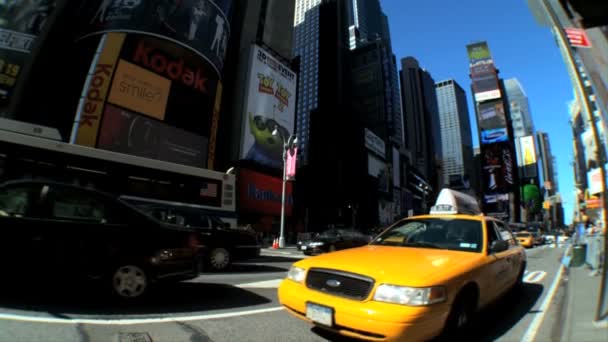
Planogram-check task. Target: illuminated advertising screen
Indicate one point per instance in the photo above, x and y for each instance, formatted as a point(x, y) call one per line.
point(199, 25)
point(260, 193)
point(491, 115)
point(483, 68)
point(21, 22)
point(486, 87)
point(478, 53)
point(495, 135)
point(497, 168)
point(270, 104)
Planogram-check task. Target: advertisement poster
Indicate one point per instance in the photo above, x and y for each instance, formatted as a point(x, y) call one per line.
point(528, 150)
point(260, 193)
point(270, 105)
point(494, 135)
point(478, 53)
point(21, 22)
point(486, 87)
point(498, 168)
point(126, 132)
point(199, 25)
point(491, 115)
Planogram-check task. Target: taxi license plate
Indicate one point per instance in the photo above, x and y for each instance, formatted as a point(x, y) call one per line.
point(304, 248)
point(320, 314)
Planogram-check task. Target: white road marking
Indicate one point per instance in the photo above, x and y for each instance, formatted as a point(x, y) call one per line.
point(133, 321)
point(267, 284)
point(534, 276)
point(532, 330)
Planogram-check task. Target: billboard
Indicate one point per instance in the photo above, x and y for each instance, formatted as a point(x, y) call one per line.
point(498, 173)
point(93, 99)
point(199, 25)
point(21, 22)
point(486, 87)
point(495, 135)
point(528, 150)
point(491, 115)
point(594, 179)
point(261, 194)
point(130, 133)
point(270, 103)
point(140, 90)
point(478, 53)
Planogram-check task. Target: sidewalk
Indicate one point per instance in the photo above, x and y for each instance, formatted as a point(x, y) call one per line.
point(288, 251)
point(581, 301)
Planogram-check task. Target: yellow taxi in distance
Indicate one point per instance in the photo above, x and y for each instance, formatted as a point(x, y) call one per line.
point(525, 239)
point(422, 276)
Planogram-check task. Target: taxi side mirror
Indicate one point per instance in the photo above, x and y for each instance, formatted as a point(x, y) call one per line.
point(499, 246)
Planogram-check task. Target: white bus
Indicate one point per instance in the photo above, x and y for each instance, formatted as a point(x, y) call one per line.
point(32, 151)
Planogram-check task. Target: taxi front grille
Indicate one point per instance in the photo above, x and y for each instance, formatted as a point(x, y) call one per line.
point(339, 283)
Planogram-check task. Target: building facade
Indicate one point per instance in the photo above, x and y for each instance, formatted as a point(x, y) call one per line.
point(421, 120)
point(456, 138)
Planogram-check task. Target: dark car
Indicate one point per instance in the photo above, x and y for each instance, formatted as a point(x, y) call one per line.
point(334, 239)
point(224, 245)
point(55, 232)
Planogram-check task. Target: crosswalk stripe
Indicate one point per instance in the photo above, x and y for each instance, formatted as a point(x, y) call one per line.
point(266, 284)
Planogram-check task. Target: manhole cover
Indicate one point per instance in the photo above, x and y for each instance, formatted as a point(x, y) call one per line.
point(134, 337)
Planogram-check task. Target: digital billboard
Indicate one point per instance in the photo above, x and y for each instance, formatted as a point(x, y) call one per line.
point(491, 115)
point(498, 168)
point(478, 52)
point(270, 103)
point(130, 133)
point(260, 193)
point(495, 135)
point(486, 87)
point(199, 25)
point(21, 22)
point(528, 150)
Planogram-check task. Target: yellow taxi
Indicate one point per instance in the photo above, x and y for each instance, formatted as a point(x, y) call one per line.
point(422, 276)
point(525, 239)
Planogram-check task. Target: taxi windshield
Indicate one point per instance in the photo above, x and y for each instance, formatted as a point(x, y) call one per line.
point(439, 233)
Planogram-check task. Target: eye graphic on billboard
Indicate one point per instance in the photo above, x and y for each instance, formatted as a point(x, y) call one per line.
point(491, 115)
point(494, 135)
point(21, 22)
point(270, 105)
point(199, 25)
point(140, 90)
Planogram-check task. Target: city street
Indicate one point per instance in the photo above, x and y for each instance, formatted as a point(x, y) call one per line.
point(242, 306)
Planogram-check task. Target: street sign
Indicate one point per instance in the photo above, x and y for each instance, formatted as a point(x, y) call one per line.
point(578, 37)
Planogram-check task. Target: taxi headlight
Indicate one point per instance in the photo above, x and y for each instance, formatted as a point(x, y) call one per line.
point(296, 274)
point(412, 296)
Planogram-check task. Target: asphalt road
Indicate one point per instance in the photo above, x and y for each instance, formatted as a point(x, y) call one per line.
point(238, 306)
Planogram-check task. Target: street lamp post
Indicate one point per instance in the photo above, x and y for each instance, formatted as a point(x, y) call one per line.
point(287, 146)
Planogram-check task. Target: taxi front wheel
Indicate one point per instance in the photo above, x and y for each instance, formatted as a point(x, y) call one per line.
point(461, 315)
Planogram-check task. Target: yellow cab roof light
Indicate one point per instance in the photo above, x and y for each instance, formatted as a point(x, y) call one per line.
point(454, 202)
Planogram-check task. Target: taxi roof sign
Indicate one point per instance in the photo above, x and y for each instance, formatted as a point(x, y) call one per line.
point(454, 202)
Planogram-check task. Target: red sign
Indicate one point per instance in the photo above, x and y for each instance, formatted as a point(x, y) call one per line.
point(578, 37)
point(261, 194)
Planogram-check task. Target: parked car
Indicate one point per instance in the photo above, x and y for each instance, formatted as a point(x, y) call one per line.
point(57, 232)
point(335, 239)
point(224, 244)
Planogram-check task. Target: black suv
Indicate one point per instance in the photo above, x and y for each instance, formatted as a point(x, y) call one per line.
point(223, 244)
point(56, 231)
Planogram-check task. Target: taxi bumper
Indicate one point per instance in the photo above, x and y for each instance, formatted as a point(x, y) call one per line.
point(367, 320)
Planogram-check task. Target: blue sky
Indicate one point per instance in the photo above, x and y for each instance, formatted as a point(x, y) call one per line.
point(436, 32)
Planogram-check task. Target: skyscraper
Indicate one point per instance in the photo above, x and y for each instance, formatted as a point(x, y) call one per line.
point(548, 171)
point(306, 31)
point(520, 108)
point(456, 139)
point(421, 118)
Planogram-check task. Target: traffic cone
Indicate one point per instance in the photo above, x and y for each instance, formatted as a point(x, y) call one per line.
point(275, 244)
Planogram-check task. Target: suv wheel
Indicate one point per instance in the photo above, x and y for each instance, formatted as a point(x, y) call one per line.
point(129, 281)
